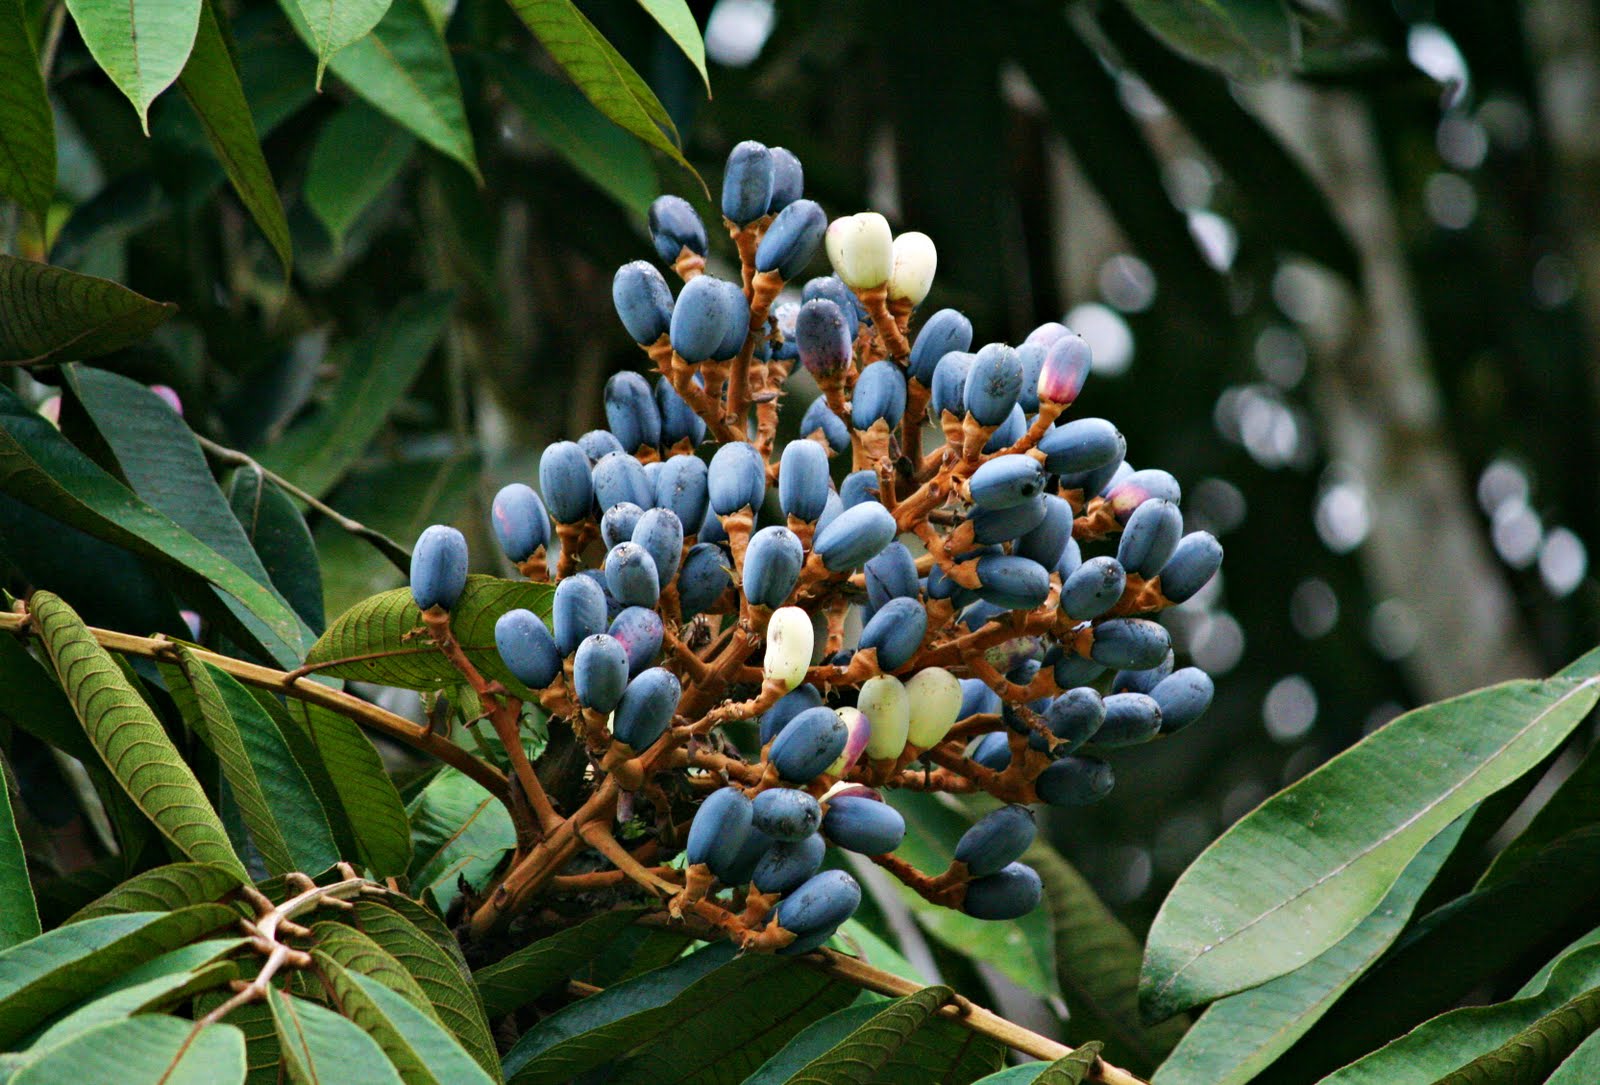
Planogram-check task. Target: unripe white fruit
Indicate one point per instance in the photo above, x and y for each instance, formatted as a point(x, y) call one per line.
point(915, 260)
point(935, 696)
point(861, 248)
point(789, 643)
point(888, 708)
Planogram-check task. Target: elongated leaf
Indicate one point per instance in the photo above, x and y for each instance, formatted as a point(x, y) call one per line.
point(1295, 876)
point(129, 738)
point(605, 78)
point(145, 995)
point(414, 1042)
point(1067, 1070)
point(48, 314)
point(358, 953)
point(860, 1057)
point(27, 128)
point(358, 154)
point(320, 1046)
point(812, 1042)
point(141, 45)
point(459, 832)
point(616, 163)
point(351, 783)
point(19, 915)
point(678, 21)
point(279, 535)
point(149, 1050)
point(50, 972)
point(1582, 1067)
point(1246, 39)
point(164, 889)
point(514, 981)
point(374, 374)
point(384, 640)
point(334, 24)
point(404, 69)
point(1239, 1035)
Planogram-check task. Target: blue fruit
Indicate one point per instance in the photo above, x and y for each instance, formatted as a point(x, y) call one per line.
point(1084, 444)
point(1129, 493)
point(681, 486)
point(786, 814)
point(1074, 717)
point(879, 395)
point(772, 566)
point(991, 526)
point(737, 479)
point(1183, 698)
point(993, 751)
point(803, 480)
point(1011, 893)
point(830, 512)
point(823, 338)
point(943, 332)
point(1048, 542)
point(1071, 559)
point(1192, 565)
point(891, 575)
point(997, 840)
point(788, 182)
point(1077, 780)
point(577, 611)
point(660, 533)
point(613, 604)
point(1066, 366)
point(1074, 671)
point(596, 443)
point(719, 828)
point(678, 420)
point(632, 576)
point(832, 288)
point(1012, 582)
point(600, 672)
point(742, 866)
point(896, 631)
point(792, 239)
point(1031, 355)
point(993, 384)
point(1131, 644)
point(640, 632)
point(646, 708)
point(707, 572)
point(949, 388)
point(1008, 432)
point(1006, 481)
point(822, 903)
point(527, 648)
point(790, 705)
point(1131, 718)
point(863, 825)
point(564, 478)
point(643, 301)
point(747, 183)
point(617, 525)
point(711, 529)
point(786, 866)
point(619, 477)
point(631, 411)
point(1093, 588)
point(858, 535)
point(980, 614)
point(521, 524)
point(1141, 681)
point(1047, 333)
point(674, 226)
point(701, 318)
point(1150, 538)
point(738, 327)
point(810, 742)
point(438, 567)
point(858, 486)
point(1095, 481)
point(820, 416)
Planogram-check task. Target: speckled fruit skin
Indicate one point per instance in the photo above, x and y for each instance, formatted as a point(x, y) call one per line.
point(997, 840)
point(809, 743)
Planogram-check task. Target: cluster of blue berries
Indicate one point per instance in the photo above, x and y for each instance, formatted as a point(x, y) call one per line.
point(974, 617)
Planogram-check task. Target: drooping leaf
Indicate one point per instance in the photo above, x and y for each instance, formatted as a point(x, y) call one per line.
point(154, 986)
point(678, 21)
point(357, 155)
point(129, 738)
point(515, 980)
point(334, 24)
point(19, 915)
point(1239, 1035)
point(48, 314)
point(141, 45)
point(458, 832)
point(350, 776)
point(812, 1042)
point(320, 1046)
point(27, 128)
point(374, 374)
point(358, 953)
point(163, 889)
point(1067, 1070)
point(1246, 39)
point(383, 639)
point(403, 68)
point(1295, 876)
point(145, 1050)
point(1581, 1067)
point(212, 87)
point(415, 1043)
point(281, 540)
point(858, 1059)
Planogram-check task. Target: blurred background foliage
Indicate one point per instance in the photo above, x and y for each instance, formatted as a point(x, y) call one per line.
point(1339, 261)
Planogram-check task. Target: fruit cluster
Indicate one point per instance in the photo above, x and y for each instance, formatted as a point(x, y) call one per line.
point(940, 620)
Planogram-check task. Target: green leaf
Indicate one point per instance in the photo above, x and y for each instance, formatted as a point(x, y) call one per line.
point(404, 69)
point(149, 1050)
point(129, 738)
point(212, 87)
point(1245, 39)
point(678, 21)
point(163, 889)
point(514, 981)
point(357, 155)
point(153, 987)
point(617, 164)
point(383, 639)
point(1582, 1067)
point(1295, 876)
point(459, 832)
point(350, 780)
point(413, 1041)
point(48, 314)
point(27, 128)
point(142, 45)
point(1067, 1070)
point(859, 1058)
point(374, 373)
point(601, 73)
point(358, 953)
point(19, 915)
point(320, 1046)
point(334, 24)
point(46, 974)
point(279, 535)
point(812, 1042)
point(1242, 1034)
